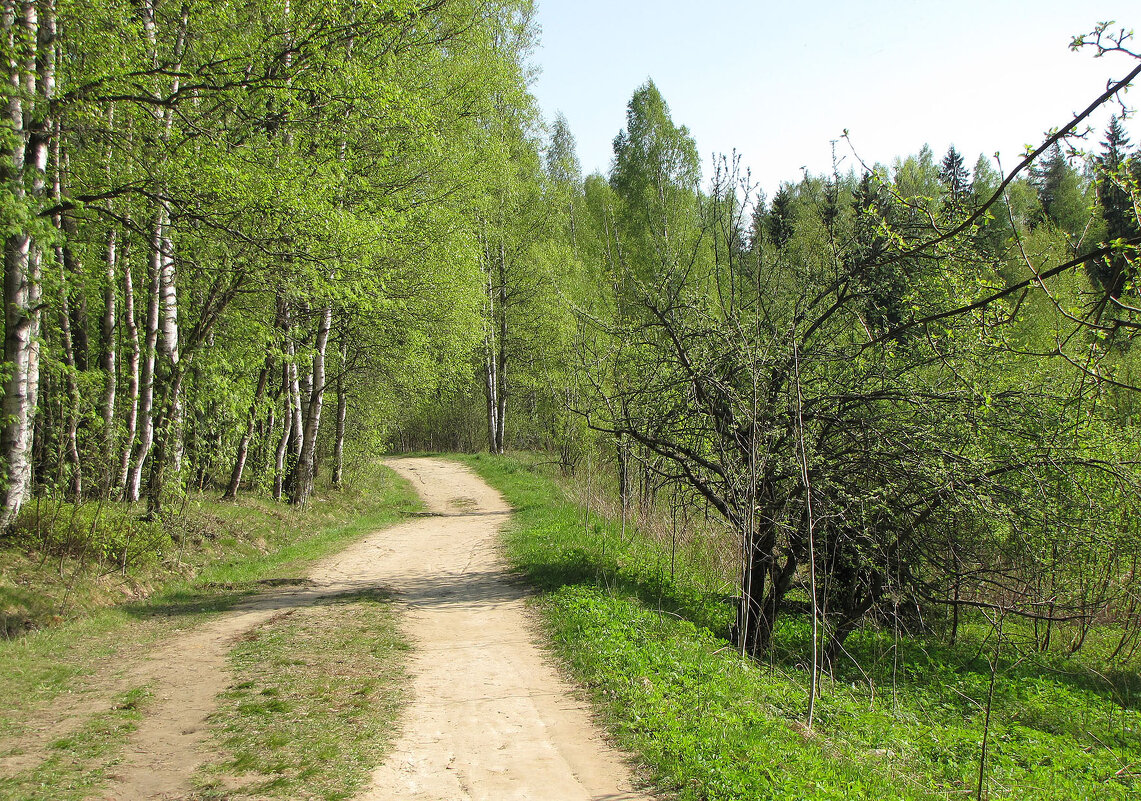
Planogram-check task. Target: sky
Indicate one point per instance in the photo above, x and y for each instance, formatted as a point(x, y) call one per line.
point(778, 81)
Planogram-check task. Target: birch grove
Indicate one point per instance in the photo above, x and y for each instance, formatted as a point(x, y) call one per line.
point(208, 207)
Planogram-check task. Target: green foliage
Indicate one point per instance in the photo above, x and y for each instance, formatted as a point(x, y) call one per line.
point(103, 533)
point(900, 717)
point(655, 177)
point(253, 167)
point(873, 380)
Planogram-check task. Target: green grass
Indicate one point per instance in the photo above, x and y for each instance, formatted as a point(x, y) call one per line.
point(901, 718)
point(228, 551)
point(315, 696)
point(75, 765)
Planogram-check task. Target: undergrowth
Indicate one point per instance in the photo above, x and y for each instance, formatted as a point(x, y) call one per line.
point(899, 717)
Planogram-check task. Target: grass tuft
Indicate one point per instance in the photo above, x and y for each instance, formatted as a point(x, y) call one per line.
point(312, 709)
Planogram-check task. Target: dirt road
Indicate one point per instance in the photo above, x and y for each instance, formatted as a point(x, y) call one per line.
point(490, 717)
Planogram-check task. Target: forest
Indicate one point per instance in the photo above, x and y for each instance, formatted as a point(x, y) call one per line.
point(250, 245)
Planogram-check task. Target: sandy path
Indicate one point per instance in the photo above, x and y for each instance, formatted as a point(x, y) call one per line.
point(491, 718)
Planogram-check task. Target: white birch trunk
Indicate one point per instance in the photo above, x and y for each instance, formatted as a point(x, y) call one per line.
point(134, 354)
point(168, 329)
point(147, 379)
point(24, 164)
point(68, 271)
point(286, 431)
point(306, 468)
point(110, 358)
point(342, 413)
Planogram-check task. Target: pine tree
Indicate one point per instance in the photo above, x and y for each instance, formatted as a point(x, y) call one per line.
point(1114, 180)
point(954, 176)
point(779, 223)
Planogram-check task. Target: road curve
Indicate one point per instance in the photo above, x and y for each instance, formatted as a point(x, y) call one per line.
point(490, 719)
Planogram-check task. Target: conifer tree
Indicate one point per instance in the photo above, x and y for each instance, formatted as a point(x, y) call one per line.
point(778, 222)
point(954, 176)
point(1116, 186)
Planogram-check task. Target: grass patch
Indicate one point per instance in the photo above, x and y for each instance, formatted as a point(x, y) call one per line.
point(316, 692)
point(75, 765)
point(223, 552)
point(901, 718)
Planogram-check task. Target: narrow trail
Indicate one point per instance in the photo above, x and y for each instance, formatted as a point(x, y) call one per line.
point(490, 718)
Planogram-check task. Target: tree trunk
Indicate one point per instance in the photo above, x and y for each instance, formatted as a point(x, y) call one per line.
point(149, 354)
point(306, 467)
point(491, 387)
point(169, 340)
point(263, 436)
point(71, 326)
point(110, 358)
point(244, 444)
point(295, 419)
point(162, 308)
point(495, 349)
point(134, 355)
point(21, 352)
point(23, 166)
point(71, 383)
point(501, 372)
point(73, 266)
point(342, 411)
point(286, 432)
point(765, 582)
point(165, 434)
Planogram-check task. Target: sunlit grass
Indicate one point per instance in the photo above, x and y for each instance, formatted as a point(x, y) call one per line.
point(311, 711)
point(898, 718)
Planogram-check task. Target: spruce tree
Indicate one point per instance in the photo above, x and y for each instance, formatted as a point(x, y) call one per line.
point(779, 223)
point(1114, 181)
point(954, 176)
point(1047, 178)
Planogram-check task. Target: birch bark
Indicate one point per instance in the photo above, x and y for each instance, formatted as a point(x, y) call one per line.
point(134, 356)
point(110, 360)
point(147, 373)
point(29, 30)
point(306, 468)
point(342, 412)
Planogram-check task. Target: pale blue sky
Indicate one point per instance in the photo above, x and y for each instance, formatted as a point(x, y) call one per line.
point(778, 80)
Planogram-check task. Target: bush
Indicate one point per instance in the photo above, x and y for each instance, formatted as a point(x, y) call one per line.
point(104, 533)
